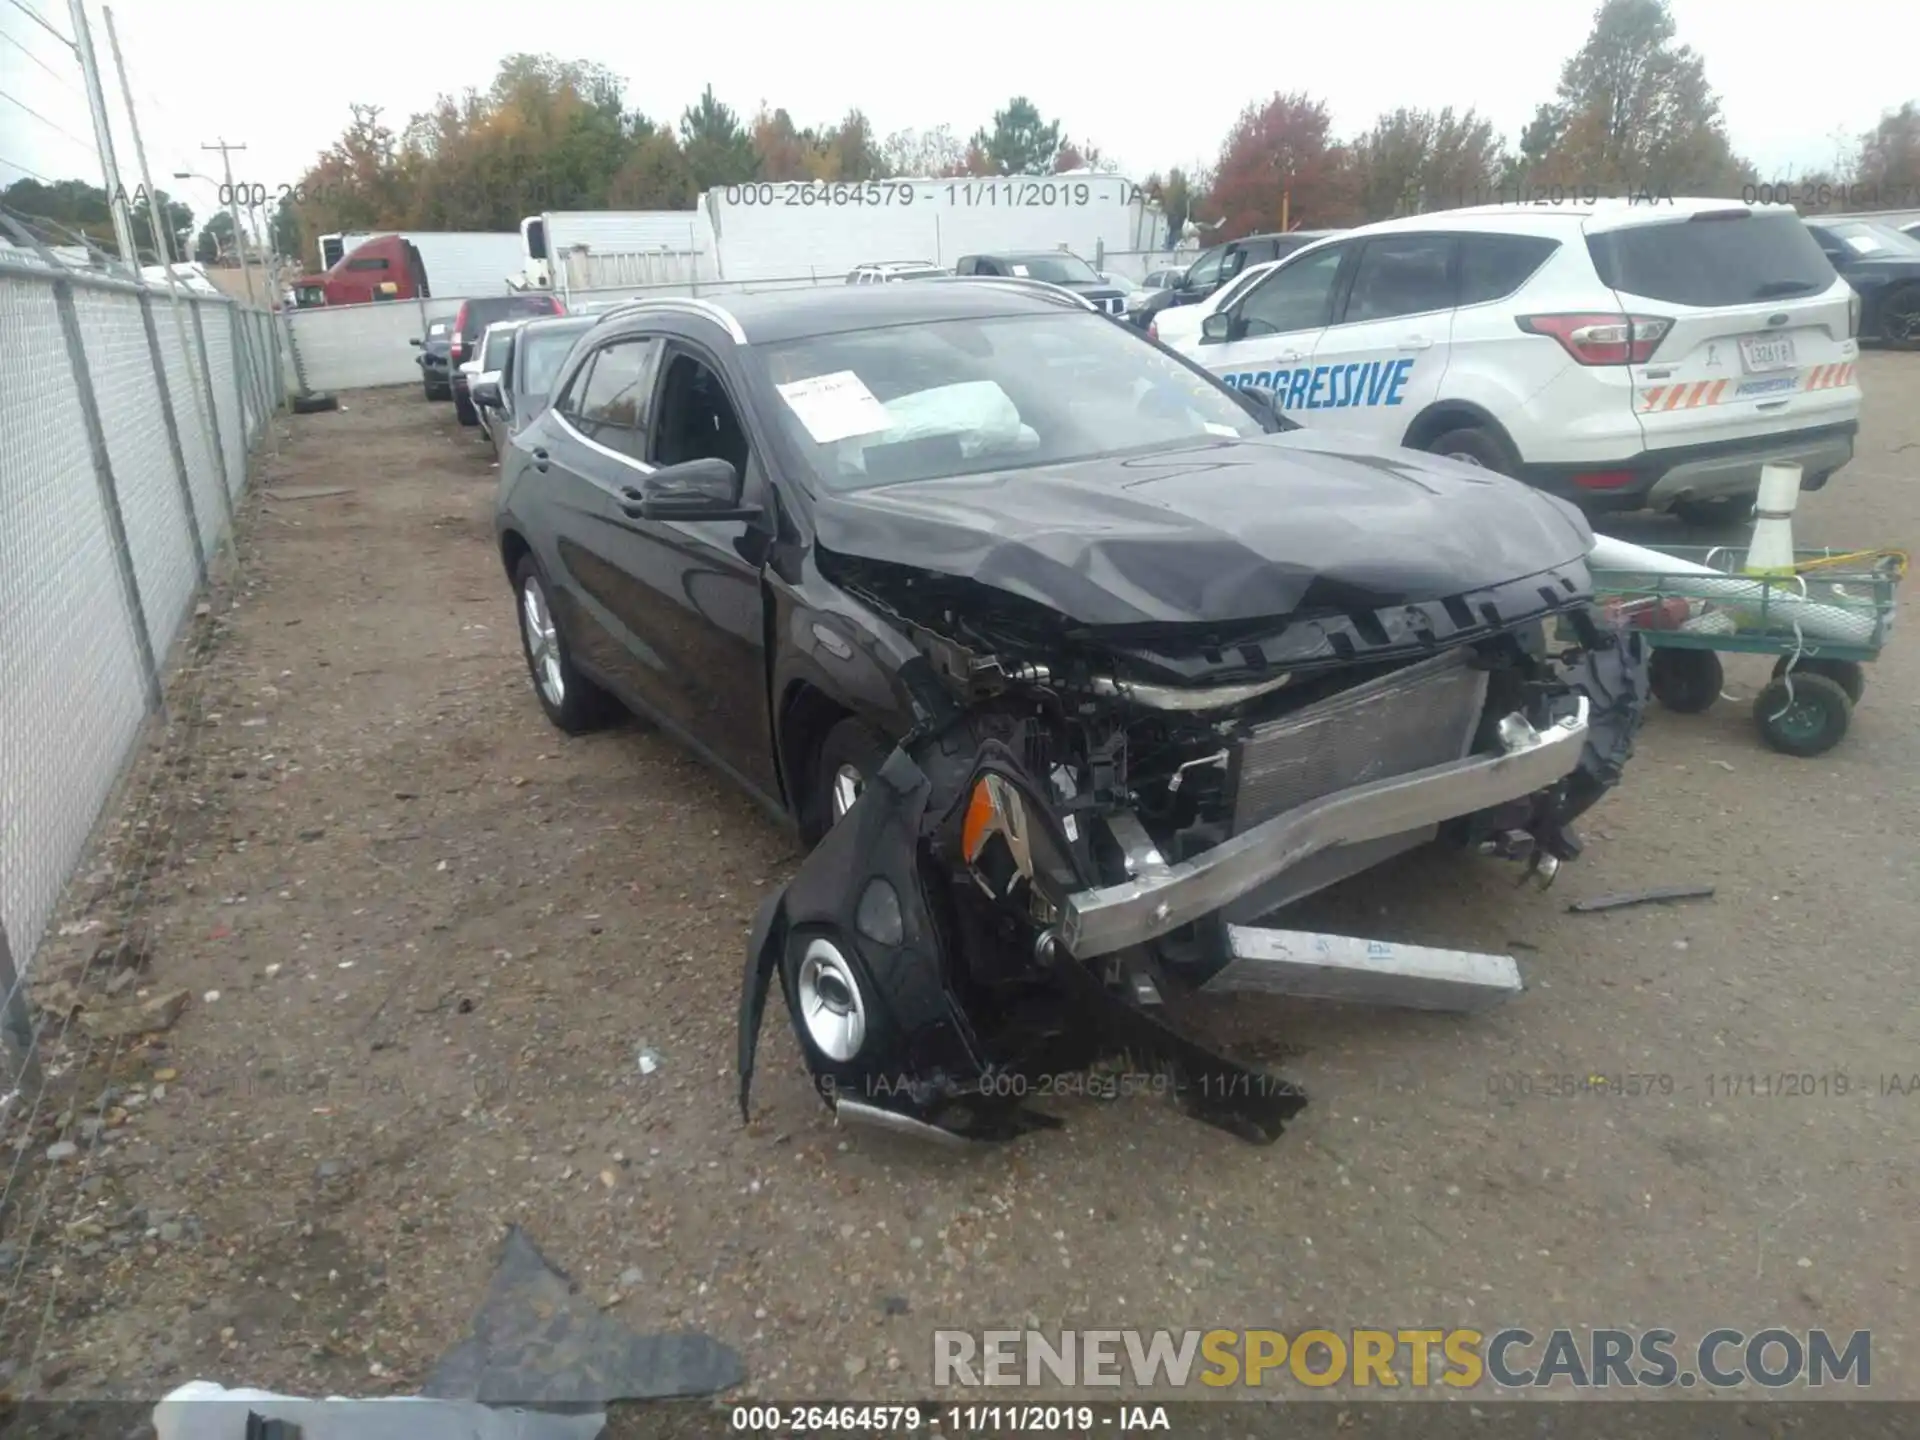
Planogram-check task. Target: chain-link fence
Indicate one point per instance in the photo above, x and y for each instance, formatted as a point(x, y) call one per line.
point(127, 415)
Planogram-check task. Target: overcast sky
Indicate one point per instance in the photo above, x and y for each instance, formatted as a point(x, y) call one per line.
point(1155, 86)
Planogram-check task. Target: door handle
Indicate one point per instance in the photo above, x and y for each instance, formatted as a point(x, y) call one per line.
point(1291, 355)
point(1416, 342)
point(540, 459)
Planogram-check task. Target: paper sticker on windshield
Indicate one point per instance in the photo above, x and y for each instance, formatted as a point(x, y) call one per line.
point(1020, 270)
point(1227, 430)
point(1863, 244)
point(835, 407)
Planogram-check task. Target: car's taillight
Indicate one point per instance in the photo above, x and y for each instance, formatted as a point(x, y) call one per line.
point(1153, 328)
point(1604, 479)
point(1602, 339)
point(455, 345)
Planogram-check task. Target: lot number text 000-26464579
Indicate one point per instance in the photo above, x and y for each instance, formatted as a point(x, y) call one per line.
point(1011, 194)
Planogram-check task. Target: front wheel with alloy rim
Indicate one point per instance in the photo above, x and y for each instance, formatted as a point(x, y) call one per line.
point(1474, 446)
point(850, 755)
point(572, 702)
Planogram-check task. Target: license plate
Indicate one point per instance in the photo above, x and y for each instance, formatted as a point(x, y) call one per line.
point(1761, 353)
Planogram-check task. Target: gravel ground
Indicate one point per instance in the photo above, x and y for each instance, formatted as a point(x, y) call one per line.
point(422, 939)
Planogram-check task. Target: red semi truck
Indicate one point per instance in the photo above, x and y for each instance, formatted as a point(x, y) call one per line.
point(403, 265)
point(387, 267)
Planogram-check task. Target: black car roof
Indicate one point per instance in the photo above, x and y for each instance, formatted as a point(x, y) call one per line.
point(772, 316)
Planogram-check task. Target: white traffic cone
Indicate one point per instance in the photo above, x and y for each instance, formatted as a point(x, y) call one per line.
point(1771, 551)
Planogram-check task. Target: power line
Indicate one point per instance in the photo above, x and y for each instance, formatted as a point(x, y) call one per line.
point(42, 21)
point(26, 170)
point(64, 81)
point(86, 145)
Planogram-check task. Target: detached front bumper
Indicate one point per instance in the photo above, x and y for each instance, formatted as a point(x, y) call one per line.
point(1165, 898)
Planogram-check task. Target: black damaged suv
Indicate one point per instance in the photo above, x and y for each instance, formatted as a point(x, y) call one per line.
point(1070, 662)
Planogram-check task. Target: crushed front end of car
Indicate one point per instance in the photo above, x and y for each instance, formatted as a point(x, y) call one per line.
point(1093, 823)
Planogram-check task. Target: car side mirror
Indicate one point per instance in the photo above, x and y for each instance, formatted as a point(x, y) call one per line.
point(705, 489)
point(416, 342)
point(1217, 328)
point(486, 392)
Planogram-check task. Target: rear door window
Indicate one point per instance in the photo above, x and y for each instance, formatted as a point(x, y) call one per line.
point(1742, 259)
point(1492, 267)
point(1402, 275)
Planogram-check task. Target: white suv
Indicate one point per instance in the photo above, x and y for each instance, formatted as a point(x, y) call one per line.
point(1623, 355)
point(887, 272)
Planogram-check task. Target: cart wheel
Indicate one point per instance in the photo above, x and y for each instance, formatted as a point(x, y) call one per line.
point(1811, 723)
point(1685, 681)
point(1849, 675)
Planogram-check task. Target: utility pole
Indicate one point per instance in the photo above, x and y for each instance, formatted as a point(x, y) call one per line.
point(117, 205)
point(233, 207)
point(163, 225)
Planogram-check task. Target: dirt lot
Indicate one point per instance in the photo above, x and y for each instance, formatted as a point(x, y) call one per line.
point(424, 938)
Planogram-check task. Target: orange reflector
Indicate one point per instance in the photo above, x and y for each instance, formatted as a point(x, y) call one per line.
point(973, 830)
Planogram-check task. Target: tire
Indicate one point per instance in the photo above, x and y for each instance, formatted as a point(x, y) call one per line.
point(1849, 675)
point(314, 404)
point(1475, 446)
point(1815, 719)
point(1900, 318)
point(852, 749)
point(1715, 514)
point(1685, 681)
point(463, 410)
point(426, 391)
point(573, 703)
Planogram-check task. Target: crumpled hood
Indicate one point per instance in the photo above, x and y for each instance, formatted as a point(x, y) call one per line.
point(1217, 531)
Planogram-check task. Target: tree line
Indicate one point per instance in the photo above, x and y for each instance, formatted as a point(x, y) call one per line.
point(1633, 113)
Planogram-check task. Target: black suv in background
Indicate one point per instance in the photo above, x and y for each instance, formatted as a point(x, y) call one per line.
point(1055, 267)
point(435, 371)
point(1215, 267)
point(471, 322)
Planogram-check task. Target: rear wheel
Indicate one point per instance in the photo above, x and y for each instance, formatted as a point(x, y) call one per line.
point(1475, 446)
point(1900, 318)
point(572, 702)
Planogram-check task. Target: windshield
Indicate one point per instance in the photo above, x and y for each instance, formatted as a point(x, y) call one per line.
point(1059, 269)
point(543, 352)
point(958, 397)
point(1867, 237)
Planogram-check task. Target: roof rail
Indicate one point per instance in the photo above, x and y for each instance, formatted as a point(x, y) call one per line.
point(684, 305)
point(1026, 286)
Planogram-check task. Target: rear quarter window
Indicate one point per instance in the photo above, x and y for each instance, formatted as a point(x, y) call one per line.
point(1736, 261)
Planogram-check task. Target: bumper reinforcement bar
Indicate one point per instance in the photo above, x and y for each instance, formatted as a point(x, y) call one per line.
point(1100, 921)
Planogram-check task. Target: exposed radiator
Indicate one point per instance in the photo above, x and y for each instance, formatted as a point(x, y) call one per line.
point(1423, 715)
